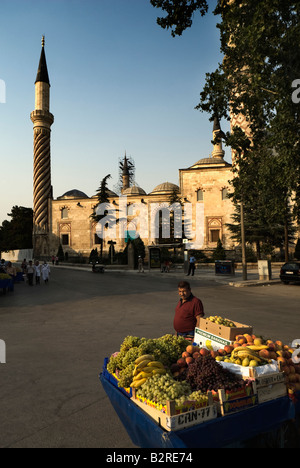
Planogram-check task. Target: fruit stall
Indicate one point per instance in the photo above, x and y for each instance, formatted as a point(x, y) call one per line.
point(6, 282)
point(229, 388)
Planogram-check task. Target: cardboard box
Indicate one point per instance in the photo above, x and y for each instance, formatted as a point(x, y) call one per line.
point(251, 372)
point(228, 333)
point(209, 341)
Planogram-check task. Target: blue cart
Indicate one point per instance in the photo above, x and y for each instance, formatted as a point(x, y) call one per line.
point(271, 423)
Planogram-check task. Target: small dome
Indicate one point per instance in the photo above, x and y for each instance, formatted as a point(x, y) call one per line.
point(134, 190)
point(166, 187)
point(73, 194)
point(210, 162)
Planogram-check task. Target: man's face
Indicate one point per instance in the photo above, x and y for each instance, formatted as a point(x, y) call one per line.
point(184, 293)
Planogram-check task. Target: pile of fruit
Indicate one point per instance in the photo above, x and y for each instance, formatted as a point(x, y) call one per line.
point(170, 368)
point(166, 350)
point(221, 321)
point(161, 388)
point(146, 367)
point(4, 276)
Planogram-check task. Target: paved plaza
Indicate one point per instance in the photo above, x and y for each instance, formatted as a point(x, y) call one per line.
point(57, 337)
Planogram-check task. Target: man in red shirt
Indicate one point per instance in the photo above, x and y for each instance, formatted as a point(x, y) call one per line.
point(188, 311)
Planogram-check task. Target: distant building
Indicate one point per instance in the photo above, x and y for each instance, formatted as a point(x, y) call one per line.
point(67, 219)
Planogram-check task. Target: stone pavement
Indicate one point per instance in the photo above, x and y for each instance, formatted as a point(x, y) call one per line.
point(200, 273)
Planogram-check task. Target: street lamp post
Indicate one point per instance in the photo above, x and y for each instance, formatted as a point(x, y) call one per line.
point(244, 261)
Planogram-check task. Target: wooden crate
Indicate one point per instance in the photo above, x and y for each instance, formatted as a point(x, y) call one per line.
point(269, 387)
point(234, 405)
point(170, 421)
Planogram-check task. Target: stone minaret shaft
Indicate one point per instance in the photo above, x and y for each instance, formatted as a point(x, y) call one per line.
point(42, 120)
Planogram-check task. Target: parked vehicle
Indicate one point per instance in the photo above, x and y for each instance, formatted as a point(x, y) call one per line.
point(290, 272)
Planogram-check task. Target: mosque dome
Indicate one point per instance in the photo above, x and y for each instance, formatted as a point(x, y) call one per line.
point(166, 187)
point(134, 190)
point(213, 161)
point(73, 194)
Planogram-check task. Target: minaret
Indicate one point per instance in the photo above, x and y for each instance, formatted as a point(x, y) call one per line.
point(125, 174)
point(218, 151)
point(42, 120)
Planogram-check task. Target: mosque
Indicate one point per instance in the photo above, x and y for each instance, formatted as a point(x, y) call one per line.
point(67, 221)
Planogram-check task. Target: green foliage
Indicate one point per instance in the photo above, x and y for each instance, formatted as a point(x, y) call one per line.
point(17, 233)
point(60, 253)
point(179, 13)
point(297, 250)
point(139, 250)
point(219, 252)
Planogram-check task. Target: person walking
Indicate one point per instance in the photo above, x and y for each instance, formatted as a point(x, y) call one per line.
point(191, 266)
point(37, 273)
point(141, 264)
point(45, 272)
point(30, 273)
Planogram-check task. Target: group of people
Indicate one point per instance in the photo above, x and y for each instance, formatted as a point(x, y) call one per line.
point(35, 271)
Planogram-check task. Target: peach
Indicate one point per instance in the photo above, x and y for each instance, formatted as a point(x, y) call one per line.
point(214, 354)
point(228, 349)
point(181, 362)
point(190, 350)
point(286, 370)
point(264, 353)
point(204, 352)
point(222, 352)
point(242, 340)
point(248, 338)
point(189, 360)
point(185, 354)
point(196, 355)
point(292, 378)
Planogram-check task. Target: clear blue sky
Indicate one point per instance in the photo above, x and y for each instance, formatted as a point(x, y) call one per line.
point(118, 82)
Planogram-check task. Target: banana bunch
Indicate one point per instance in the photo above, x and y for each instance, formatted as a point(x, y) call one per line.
point(246, 356)
point(257, 347)
point(145, 367)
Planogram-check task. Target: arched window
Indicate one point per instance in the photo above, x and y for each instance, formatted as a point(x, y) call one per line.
point(200, 195)
point(224, 194)
point(64, 213)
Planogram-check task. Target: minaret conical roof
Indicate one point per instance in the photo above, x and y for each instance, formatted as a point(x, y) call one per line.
point(42, 73)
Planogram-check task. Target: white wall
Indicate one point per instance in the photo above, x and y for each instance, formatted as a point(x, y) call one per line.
point(17, 256)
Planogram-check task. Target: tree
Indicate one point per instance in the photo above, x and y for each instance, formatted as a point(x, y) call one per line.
point(179, 13)
point(60, 254)
point(261, 62)
point(297, 250)
point(102, 198)
point(16, 234)
point(259, 41)
point(219, 252)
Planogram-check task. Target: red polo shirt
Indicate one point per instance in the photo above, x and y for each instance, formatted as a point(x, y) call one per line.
point(185, 314)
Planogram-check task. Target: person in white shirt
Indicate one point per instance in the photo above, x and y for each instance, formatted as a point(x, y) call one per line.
point(37, 268)
point(45, 272)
